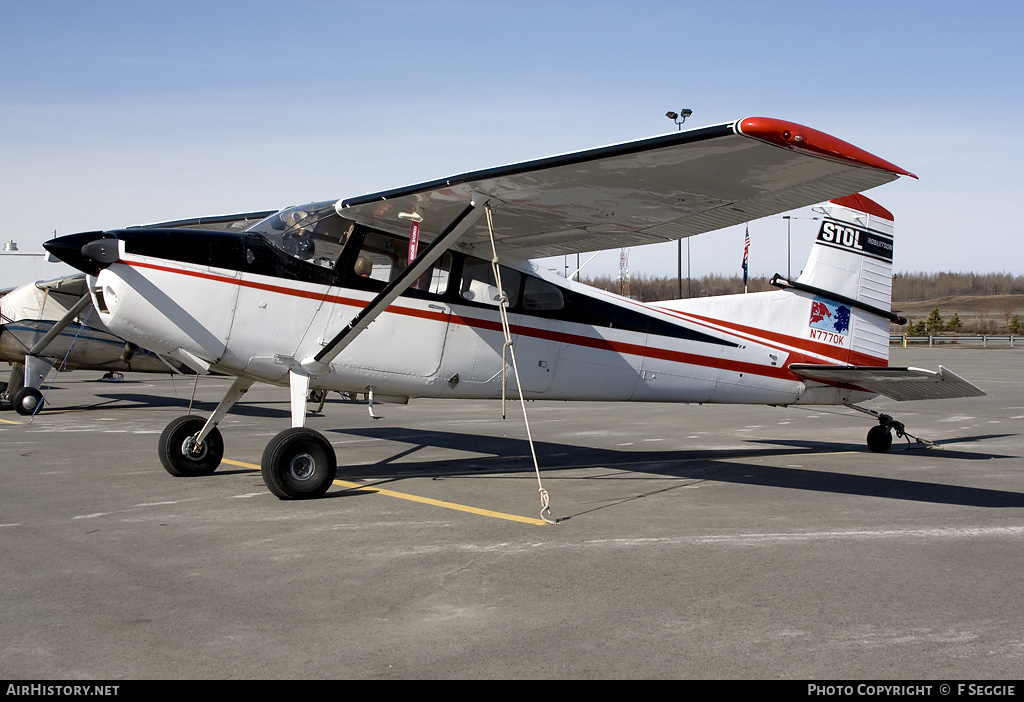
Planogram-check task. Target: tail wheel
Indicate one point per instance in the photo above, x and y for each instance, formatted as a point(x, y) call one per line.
point(299, 464)
point(178, 451)
point(879, 439)
point(28, 401)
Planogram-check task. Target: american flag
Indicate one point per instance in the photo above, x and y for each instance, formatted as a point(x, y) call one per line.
point(746, 250)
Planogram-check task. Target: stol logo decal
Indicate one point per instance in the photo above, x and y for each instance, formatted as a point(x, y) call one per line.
point(863, 241)
point(829, 321)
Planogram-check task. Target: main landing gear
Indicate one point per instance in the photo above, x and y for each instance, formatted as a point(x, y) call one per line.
point(182, 455)
point(298, 463)
point(880, 437)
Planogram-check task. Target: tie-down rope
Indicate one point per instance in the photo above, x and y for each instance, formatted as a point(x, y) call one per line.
point(503, 309)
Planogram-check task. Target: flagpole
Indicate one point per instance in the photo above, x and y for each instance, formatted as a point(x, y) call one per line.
point(746, 251)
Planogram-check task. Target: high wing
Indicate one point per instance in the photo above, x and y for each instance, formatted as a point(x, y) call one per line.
point(640, 192)
point(900, 384)
point(57, 297)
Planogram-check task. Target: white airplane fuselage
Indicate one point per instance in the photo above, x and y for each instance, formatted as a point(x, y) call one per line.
point(261, 326)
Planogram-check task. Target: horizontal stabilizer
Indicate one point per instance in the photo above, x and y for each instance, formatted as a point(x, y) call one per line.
point(897, 383)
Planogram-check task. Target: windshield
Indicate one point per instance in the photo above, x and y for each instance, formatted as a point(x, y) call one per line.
point(313, 233)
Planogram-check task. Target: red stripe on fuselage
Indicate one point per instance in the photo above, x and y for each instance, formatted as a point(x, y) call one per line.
point(619, 347)
point(785, 340)
point(777, 340)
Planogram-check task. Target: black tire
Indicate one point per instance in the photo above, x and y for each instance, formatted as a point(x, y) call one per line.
point(879, 439)
point(299, 464)
point(28, 401)
point(17, 379)
point(176, 444)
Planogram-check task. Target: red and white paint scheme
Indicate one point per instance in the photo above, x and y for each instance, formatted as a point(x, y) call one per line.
point(325, 297)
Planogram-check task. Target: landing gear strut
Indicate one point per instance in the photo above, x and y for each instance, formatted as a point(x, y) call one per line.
point(191, 445)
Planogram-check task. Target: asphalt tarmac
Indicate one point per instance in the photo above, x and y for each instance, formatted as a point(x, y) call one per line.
point(692, 541)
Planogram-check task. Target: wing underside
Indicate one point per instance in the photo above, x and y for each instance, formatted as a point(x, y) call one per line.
point(896, 383)
point(642, 192)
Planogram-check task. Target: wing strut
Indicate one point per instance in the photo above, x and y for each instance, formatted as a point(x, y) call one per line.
point(59, 326)
point(37, 367)
point(362, 319)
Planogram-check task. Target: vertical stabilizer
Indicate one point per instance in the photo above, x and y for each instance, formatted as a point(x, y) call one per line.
point(851, 261)
point(839, 310)
point(852, 256)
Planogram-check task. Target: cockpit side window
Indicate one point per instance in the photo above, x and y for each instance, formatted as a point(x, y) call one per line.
point(435, 280)
point(380, 257)
point(315, 244)
point(314, 233)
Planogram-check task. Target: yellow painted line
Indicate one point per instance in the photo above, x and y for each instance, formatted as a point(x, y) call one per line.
point(7, 421)
point(417, 498)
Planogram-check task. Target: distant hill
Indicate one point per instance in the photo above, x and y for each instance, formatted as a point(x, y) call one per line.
point(980, 314)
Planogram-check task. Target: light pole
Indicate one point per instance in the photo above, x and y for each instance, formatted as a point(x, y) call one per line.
point(789, 222)
point(679, 268)
point(679, 117)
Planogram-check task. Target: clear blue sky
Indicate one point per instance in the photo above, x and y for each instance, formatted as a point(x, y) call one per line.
point(119, 113)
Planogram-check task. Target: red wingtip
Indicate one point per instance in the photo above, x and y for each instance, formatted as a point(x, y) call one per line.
point(797, 137)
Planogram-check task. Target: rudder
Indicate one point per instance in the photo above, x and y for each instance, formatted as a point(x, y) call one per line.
point(850, 273)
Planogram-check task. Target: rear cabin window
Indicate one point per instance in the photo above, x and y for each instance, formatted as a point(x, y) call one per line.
point(540, 295)
point(478, 283)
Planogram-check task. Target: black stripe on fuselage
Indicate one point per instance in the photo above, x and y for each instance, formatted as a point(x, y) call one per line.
point(251, 253)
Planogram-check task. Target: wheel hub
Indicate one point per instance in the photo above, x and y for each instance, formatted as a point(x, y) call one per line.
point(191, 450)
point(302, 466)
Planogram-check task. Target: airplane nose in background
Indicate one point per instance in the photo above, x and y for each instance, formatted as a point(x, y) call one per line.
point(89, 252)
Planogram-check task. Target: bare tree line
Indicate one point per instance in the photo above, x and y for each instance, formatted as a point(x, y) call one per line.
point(652, 289)
point(906, 287)
point(968, 303)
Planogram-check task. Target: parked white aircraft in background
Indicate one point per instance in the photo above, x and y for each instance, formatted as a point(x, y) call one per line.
point(48, 325)
point(290, 300)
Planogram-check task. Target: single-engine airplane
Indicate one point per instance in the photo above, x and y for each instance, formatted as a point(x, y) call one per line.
point(339, 296)
point(52, 324)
